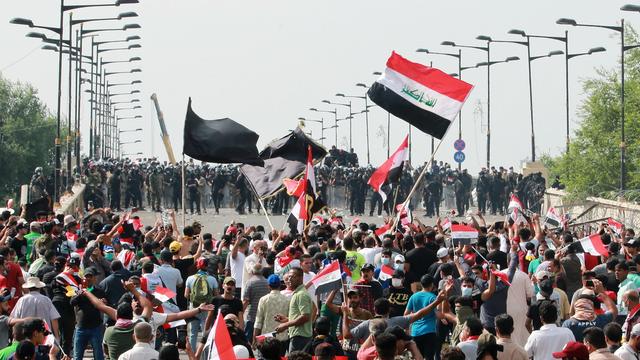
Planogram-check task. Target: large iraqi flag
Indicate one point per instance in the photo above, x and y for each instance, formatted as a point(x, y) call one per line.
point(423, 96)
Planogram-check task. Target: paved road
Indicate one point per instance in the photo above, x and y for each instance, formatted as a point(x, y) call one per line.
point(215, 223)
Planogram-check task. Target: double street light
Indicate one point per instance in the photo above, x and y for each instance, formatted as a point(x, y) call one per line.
point(59, 30)
point(530, 58)
point(567, 57)
point(335, 116)
point(623, 48)
point(365, 111)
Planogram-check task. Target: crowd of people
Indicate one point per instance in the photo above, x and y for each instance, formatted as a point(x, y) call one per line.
point(101, 279)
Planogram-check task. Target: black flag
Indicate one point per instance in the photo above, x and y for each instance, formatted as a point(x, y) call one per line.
point(283, 158)
point(219, 141)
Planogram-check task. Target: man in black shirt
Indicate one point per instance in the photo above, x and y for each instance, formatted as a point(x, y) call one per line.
point(495, 255)
point(18, 242)
point(420, 258)
point(89, 319)
point(398, 294)
point(227, 303)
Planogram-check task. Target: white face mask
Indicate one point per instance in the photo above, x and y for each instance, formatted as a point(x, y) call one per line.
point(396, 282)
point(466, 291)
point(399, 266)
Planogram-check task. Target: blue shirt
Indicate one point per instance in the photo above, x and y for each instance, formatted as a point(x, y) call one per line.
point(427, 324)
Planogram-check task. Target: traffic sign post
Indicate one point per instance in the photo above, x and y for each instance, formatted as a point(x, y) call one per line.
point(459, 145)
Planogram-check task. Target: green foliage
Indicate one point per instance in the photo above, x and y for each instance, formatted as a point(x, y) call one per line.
point(592, 166)
point(27, 135)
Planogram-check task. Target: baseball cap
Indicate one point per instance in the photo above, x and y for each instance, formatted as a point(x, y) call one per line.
point(175, 246)
point(540, 275)
point(228, 279)
point(274, 280)
point(74, 261)
point(399, 333)
point(202, 263)
point(90, 271)
point(635, 330)
point(68, 219)
point(573, 349)
point(442, 252)
point(368, 266)
point(398, 258)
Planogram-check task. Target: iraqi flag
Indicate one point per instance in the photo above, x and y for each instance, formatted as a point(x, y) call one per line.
point(593, 245)
point(163, 294)
point(515, 203)
point(423, 96)
point(308, 203)
point(446, 224)
point(553, 218)
point(389, 172)
point(328, 279)
point(517, 216)
point(294, 187)
point(463, 234)
point(615, 226)
point(383, 229)
point(219, 341)
point(386, 273)
point(260, 338)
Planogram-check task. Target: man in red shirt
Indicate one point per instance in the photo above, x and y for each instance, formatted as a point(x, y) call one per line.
point(13, 275)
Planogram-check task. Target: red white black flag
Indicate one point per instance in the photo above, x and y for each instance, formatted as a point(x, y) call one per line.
point(389, 172)
point(423, 96)
point(308, 203)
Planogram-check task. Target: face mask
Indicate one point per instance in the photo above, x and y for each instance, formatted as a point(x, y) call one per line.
point(399, 266)
point(108, 256)
point(396, 282)
point(385, 261)
point(466, 291)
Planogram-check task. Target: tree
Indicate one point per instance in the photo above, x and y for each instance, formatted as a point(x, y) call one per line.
point(27, 135)
point(592, 165)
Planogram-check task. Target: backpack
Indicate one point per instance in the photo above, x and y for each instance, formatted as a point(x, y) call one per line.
point(201, 292)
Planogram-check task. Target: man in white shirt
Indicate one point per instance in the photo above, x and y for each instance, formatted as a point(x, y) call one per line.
point(470, 333)
point(142, 350)
point(257, 257)
point(629, 351)
point(236, 263)
point(307, 274)
point(370, 250)
point(549, 338)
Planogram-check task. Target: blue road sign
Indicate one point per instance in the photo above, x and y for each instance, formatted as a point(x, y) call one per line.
point(458, 157)
point(459, 145)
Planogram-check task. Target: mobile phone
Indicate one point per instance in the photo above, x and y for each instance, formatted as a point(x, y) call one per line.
point(589, 283)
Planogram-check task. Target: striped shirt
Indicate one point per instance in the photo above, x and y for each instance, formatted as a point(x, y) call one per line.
point(255, 288)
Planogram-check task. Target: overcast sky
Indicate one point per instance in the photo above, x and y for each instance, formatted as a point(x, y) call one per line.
point(265, 63)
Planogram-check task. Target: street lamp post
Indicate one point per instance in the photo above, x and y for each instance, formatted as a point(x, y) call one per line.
point(335, 115)
point(346, 118)
point(623, 48)
point(486, 49)
point(366, 112)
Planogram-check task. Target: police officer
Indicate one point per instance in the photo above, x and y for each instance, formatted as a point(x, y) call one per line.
point(241, 186)
point(482, 190)
point(155, 188)
point(194, 192)
point(114, 183)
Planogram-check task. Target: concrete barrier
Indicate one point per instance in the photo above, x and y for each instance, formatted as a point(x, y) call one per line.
point(69, 202)
point(593, 208)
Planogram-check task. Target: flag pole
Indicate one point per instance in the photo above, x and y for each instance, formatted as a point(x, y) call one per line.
point(184, 205)
point(262, 206)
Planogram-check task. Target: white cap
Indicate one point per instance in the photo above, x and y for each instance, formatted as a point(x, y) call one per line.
point(442, 252)
point(398, 258)
point(635, 330)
